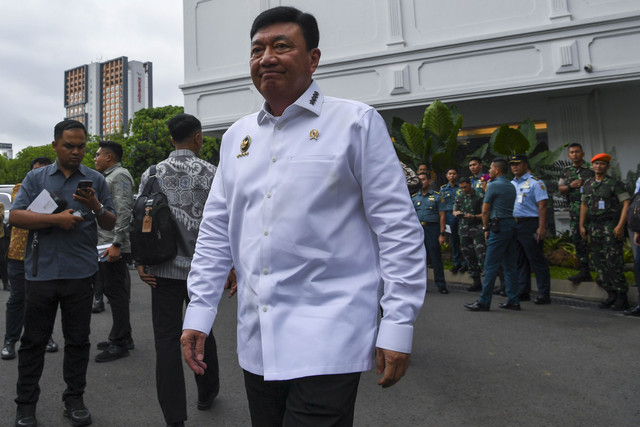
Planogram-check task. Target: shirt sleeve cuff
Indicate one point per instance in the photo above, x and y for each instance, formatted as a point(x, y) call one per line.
point(198, 319)
point(395, 337)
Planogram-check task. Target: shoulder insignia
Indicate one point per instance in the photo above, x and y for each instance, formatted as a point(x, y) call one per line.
point(534, 178)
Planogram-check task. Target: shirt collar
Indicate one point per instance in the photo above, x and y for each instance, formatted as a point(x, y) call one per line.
point(55, 168)
point(311, 100)
point(111, 169)
point(523, 177)
point(183, 152)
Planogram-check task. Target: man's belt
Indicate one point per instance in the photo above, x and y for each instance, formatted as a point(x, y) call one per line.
point(427, 223)
point(525, 218)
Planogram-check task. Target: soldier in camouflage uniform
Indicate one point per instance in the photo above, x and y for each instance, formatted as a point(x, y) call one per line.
point(468, 209)
point(603, 214)
point(571, 185)
point(475, 167)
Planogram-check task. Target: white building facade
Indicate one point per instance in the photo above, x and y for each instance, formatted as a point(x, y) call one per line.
point(573, 65)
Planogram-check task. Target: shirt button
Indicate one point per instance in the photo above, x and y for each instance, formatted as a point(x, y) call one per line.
point(265, 309)
point(266, 232)
point(273, 159)
point(279, 127)
point(269, 195)
point(265, 271)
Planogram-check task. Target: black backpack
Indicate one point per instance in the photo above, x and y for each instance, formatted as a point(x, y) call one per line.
point(153, 229)
point(633, 214)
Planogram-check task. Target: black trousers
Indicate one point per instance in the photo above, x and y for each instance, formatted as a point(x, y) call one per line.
point(168, 300)
point(322, 400)
point(41, 305)
point(113, 278)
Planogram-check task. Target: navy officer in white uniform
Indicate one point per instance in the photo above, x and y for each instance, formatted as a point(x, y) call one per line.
point(318, 242)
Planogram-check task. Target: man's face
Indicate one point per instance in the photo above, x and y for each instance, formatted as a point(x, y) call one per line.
point(70, 148)
point(101, 160)
point(281, 67)
point(422, 169)
point(576, 154)
point(493, 171)
point(465, 187)
point(426, 182)
point(475, 167)
point(519, 169)
point(600, 167)
point(452, 175)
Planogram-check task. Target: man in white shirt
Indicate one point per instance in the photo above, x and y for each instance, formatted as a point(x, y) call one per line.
point(326, 235)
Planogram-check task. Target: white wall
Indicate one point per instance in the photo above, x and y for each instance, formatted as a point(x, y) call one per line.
point(500, 60)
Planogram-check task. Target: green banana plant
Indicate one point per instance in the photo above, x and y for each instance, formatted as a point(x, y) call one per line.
point(432, 141)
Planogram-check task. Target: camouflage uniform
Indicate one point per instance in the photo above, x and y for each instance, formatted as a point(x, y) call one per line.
point(472, 242)
point(574, 196)
point(604, 204)
point(476, 183)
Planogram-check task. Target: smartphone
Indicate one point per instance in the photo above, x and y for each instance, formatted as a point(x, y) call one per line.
point(82, 185)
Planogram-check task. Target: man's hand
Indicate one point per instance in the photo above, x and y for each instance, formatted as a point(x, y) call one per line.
point(112, 253)
point(149, 279)
point(576, 184)
point(636, 239)
point(392, 364)
point(442, 239)
point(87, 196)
point(618, 232)
point(583, 232)
point(193, 350)
point(542, 233)
point(232, 283)
point(67, 220)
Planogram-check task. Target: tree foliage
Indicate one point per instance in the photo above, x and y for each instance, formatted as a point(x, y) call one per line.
point(145, 141)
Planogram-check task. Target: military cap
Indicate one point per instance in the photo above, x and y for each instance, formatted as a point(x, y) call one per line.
point(517, 158)
point(603, 157)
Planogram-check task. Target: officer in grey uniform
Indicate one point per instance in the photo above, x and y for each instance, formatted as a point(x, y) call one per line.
point(430, 209)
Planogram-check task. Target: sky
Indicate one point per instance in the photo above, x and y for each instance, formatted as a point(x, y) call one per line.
point(40, 39)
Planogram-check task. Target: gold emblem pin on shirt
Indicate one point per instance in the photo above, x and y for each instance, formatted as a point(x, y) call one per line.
point(244, 146)
point(314, 134)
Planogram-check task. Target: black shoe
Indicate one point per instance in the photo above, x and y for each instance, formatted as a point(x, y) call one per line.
point(443, 290)
point(582, 276)
point(113, 352)
point(180, 424)
point(98, 306)
point(462, 269)
point(8, 350)
point(206, 401)
point(477, 306)
point(621, 303)
point(103, 345)
point(541, 300)
point(509, 306)
point(525, 297)
point(77, 413)
point(26, 416)
point(455, 269)
point(52, 347)
point(635, 312)
point(611, 299)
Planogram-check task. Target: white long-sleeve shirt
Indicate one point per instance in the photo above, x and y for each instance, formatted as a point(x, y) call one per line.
point(316, 218)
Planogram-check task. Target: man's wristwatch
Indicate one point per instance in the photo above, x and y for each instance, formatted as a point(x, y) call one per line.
point(100, 211)
point(443, 233)
point(117, 245)
point(485, 229)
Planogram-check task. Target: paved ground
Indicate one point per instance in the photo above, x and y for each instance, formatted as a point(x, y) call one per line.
point(544, 366)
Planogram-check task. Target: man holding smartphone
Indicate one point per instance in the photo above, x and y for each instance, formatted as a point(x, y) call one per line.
point(60, 260)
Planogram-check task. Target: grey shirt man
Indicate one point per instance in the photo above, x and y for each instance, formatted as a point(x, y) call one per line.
point(120, 185)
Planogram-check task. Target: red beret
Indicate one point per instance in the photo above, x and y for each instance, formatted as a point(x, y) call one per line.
point(602, 157)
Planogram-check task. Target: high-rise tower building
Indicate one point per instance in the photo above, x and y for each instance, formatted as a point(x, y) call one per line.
point(105, 95)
